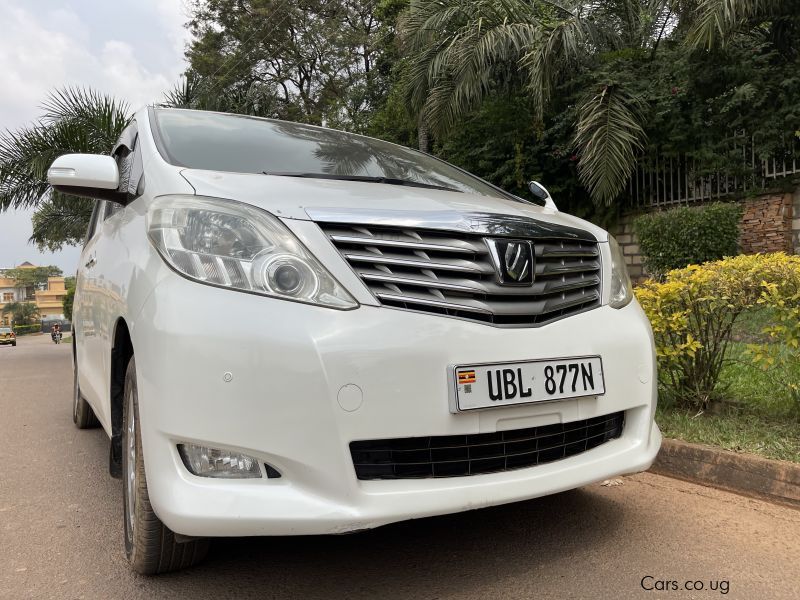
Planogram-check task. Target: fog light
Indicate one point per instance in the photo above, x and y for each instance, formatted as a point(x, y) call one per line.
point(213, 462)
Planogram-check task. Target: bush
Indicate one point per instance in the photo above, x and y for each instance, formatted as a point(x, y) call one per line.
point(26, 329)
point(676, 238)
point(782, 355)
point(693, 310)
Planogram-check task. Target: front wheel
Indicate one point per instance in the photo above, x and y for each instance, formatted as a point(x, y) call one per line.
point(150, 545)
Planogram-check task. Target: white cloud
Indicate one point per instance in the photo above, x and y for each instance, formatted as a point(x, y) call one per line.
point(37, 56)
point(131, 49)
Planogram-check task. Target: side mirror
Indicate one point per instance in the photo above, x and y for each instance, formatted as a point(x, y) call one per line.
point(538, 190)
point(89, 175)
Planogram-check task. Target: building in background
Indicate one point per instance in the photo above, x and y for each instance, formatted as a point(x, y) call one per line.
point(49, 299)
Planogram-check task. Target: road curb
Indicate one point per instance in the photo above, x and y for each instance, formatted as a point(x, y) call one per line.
point(774, 480)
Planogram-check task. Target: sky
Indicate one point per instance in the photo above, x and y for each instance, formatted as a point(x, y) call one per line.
point(131, 49)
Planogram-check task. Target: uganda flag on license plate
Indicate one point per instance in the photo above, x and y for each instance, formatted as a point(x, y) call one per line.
point(466, 377)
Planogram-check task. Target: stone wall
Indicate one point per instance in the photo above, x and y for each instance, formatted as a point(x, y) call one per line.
point(796, 221)
point(623, 232)
point(766, 224)
point(770, 223)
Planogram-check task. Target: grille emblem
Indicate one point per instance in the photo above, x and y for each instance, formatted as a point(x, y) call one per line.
point(513, 260)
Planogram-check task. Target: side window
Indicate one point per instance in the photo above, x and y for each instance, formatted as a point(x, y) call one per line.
point(136, 179)
point(97, 216)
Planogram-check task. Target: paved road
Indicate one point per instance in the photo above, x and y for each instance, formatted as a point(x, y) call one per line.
point(61, 530)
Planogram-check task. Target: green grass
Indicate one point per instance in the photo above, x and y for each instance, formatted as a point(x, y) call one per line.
point(735, 431)
point(760, 414)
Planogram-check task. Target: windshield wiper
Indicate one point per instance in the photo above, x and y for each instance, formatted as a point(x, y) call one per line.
point(365, 178)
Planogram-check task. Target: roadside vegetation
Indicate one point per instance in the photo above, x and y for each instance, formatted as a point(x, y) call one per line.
point(575, 94)
point(757, 411)
point(728, 345)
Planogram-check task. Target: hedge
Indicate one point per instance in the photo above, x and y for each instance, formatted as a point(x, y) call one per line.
point(693, 311)
point(26, 329)
point(676, 238)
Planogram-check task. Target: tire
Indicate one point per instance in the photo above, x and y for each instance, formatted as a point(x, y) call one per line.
point(13, 344)
point(150, 545)
point(82, 414)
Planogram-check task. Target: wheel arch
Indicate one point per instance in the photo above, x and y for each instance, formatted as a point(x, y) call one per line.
point(121, 353)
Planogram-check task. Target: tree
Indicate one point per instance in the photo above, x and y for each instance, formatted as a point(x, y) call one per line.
point(463, 52)
point(717, 21)
point(73, 120)
point(69, 298)
point(680, 77)
point(22, 313)
point(312, 61)
point(32, 277)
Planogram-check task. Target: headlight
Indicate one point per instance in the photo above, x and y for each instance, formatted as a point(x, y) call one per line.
point(621, 289)
point(233, 245)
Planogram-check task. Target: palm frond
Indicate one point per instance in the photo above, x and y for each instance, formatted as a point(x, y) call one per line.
point(60, 220)
point(716, 20)
point(557, 47)
point(74, 121)
point(454, 48)
point(608, 134)
point(102, 117)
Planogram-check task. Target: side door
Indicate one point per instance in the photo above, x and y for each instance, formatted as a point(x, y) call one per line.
point(104, 295)
point(84, 326)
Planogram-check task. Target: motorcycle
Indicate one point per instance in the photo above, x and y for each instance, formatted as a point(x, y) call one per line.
point(56, 335)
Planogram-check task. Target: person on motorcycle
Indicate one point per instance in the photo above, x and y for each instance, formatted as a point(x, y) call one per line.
point(56, 334)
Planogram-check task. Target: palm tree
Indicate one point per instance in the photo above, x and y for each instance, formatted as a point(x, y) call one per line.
point(195, 92)
point(22, 313)
point(717, 20)
point(73, 120)
point(462, 51)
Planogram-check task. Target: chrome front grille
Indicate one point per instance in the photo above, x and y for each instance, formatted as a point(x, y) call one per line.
point(452, 273)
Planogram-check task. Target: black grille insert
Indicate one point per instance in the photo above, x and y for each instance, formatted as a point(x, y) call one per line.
point(473, 454)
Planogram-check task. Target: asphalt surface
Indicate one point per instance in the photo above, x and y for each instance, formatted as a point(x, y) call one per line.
point(61, 530)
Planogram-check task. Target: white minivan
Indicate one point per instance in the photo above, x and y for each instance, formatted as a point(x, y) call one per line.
point(290, 330)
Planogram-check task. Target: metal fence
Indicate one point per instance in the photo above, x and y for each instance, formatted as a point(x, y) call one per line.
point(684, 178)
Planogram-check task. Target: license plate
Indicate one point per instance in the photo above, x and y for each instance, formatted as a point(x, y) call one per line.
point(506, 384)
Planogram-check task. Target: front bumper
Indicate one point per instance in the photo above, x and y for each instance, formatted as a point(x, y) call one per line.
point(284, 404)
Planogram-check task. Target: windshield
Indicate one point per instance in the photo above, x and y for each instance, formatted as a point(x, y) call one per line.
point(241, 144)
point(5, 330)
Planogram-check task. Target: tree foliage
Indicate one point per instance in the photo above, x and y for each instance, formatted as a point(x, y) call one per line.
point(569, 92)
point(22, 313)
point(32, 277)
point(651, 84)
point(74, 120)
point(461, 52)
point(312, 61)
point(69, 298)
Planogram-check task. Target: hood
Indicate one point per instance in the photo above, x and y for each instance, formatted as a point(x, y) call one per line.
point(298, 198)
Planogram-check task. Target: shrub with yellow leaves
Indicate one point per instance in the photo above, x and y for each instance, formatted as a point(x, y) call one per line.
point(783, 349)
point(693, 311)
